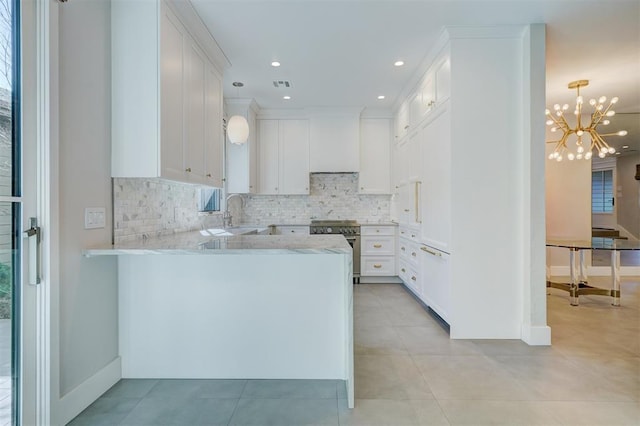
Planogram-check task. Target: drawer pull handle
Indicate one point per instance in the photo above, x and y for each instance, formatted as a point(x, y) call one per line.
point(403, 270)
point(406, 210)
point(413, 236)
point(377, 245)
point(413, 278)
point(435, 253)
point(377, 266)
point(377, 230)
point(413, 253)
point(402, 248)
point(188, 170)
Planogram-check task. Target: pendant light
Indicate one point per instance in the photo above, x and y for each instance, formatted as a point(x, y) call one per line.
point(238, 127)
point(583, 149)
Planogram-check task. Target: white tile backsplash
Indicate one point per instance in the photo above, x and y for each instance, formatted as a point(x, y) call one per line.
point(332, 196)
point(145, 208)
point(154, 207)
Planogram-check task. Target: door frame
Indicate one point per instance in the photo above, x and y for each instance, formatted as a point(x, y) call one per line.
point(39, 347)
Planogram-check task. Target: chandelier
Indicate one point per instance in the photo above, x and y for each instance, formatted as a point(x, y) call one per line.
point(600, 115)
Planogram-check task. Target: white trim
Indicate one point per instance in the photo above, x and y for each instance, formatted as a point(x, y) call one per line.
point(46, 14)
point(536, 335)
point(74, 402)
point(596, 271)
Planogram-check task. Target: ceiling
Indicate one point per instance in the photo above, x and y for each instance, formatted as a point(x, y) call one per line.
point(341, 53)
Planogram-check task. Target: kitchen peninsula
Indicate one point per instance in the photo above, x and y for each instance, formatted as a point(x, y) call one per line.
point(195, 305)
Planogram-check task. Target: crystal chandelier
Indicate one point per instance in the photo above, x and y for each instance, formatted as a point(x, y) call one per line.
point(600, 116)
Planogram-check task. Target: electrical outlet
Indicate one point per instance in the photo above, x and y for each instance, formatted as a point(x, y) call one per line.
point(94, 217)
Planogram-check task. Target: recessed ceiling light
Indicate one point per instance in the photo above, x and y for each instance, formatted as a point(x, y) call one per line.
point(286, 97)
point(625, 146)
point(398, 63)
point(275, 64)
point(618, 153)
point(381, 97)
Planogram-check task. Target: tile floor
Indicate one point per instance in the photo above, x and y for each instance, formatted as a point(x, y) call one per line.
point(408, 372)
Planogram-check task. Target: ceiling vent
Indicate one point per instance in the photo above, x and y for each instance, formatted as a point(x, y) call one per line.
point(281, 84)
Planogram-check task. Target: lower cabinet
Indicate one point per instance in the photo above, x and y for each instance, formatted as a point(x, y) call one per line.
point(377, 251)
point(409, 258)
point(291, 230)
point(436, 286)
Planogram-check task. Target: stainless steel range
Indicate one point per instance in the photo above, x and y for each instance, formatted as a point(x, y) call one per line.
point(350, 229)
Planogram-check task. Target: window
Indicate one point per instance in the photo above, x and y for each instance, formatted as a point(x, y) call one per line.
point(602, 191)
point(210, 199)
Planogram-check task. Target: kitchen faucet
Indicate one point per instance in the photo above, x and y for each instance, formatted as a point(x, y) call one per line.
point(227, 219)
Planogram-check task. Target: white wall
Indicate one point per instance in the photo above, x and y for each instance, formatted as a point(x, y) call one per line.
point(628, 198)
point(488, 240)
point(88, 340)
point(568, 202)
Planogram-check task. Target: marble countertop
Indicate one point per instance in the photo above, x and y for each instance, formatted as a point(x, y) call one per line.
point(197, 242)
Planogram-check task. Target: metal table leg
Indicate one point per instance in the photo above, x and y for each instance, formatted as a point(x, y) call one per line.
point(615, 277)
point(575, 283)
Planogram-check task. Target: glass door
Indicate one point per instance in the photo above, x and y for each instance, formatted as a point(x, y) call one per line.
point(10, 214)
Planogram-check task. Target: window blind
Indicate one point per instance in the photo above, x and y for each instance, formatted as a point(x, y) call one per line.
point(602, 191)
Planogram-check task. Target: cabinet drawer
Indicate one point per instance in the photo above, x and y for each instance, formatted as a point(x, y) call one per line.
point(377, 230)
point(409, 234)
point(292, 230)
point(413, 255)
point(412, 280)
point(375, 265)
point(403, 270)
point(378, 246)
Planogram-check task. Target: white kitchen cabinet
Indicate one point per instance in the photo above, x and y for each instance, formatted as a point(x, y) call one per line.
point(409, 269)
point(378, 250)
point(443, 79)
point(291, 230)
point(375, 156)
point(269, 156)
point(214, 136)
point(242, 159)
point(196, 73)
point(408, 152)
point(401, 124)
point(166, 96)
point(294, 137)
point(435, 187)
point(435, 275)
point(283, 152)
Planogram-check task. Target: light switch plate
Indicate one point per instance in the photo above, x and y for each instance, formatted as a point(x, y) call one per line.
point(94, 217)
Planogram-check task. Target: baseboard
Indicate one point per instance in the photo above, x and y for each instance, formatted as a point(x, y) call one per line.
point(596, 271)
point(75, 401)
point(380, 280)
point(536, 335)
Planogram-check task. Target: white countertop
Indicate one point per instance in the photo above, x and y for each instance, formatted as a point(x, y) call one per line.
point(197, 242)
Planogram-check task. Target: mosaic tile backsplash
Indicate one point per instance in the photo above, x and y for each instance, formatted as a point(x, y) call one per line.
point(332, 196)
point(154, 207)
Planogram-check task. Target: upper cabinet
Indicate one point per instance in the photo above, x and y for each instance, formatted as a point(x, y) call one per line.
point(283, 152)
point(241, 172)
point(375, 156)
point(166, 94)
point(432, 91)
point(401, 125)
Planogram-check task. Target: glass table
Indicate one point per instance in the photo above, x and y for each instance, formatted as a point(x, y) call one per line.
point(578, 285)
